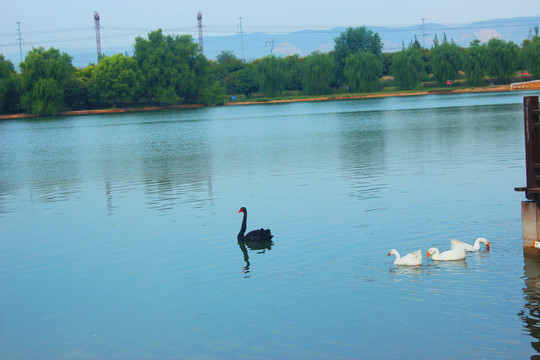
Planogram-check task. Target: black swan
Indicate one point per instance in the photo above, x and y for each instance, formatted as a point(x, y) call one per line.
point(255, 235)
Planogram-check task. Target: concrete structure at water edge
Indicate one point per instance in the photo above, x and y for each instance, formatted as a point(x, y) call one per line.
point(530, 209)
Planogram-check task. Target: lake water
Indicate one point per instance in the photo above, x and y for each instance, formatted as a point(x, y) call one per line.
point(118, 232)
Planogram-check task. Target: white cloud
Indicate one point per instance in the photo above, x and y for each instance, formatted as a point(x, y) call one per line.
point(485, 35)
point(287, 49)
point(324, 48)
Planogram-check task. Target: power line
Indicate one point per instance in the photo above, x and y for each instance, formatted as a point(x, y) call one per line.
point(109, 32)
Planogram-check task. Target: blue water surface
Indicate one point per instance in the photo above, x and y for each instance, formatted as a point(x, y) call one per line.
point(118, 232)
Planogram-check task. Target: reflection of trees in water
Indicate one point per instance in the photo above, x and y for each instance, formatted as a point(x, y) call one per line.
point(531, 310)
point(176, 165)
point(362, 152)
point(172, 158)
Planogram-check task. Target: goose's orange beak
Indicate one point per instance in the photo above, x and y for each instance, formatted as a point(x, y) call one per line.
point(428, 253)
point(488, 246)
point(388, 254)
point(533, 244)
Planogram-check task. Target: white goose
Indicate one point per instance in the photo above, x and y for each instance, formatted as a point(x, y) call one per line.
point(456, 244)
point(536, 244)
point(450, 255)
point(414, 258)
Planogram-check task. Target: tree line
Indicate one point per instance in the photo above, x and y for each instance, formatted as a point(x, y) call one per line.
point(171, 70)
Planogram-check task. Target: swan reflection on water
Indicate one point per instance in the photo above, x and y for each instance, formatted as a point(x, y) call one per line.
point(530, 314)
point(259, 246)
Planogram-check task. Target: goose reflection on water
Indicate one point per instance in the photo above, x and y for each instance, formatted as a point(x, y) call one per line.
point(530, 314)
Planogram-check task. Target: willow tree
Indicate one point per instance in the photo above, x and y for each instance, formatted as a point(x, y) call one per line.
point(117, 80)
point(43, 74)
point(474, 63)
point(319, 73)
point(445, 61)
point(173, 67)
point(501, 59)
point(9, 96)
point(531, 56)
point(352, 41)
point(408, 68)
point(363, 71)
point(272, 74)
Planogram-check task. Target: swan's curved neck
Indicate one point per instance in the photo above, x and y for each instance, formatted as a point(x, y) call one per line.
point(243, 228)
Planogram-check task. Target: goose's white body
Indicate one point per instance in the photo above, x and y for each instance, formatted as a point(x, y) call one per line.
point(414, 258)
point(450, 255)
point(456, 244)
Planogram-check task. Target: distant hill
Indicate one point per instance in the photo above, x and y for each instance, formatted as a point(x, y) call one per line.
point(257, 45)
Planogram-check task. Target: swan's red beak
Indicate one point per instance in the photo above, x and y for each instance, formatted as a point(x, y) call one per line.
point(488, 246)
point(240, 210)
point(388, 254)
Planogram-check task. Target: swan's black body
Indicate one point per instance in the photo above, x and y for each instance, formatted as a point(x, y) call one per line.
point(261, 235)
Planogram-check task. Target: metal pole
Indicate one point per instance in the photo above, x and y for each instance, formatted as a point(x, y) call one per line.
point(532, 145)
point(199, 26)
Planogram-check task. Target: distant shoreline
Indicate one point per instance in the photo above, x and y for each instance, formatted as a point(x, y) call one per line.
point(499, 88)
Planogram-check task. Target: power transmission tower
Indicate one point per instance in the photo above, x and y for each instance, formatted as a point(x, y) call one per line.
point(423, 34)
point(199, 26)
point(98, 37)
point(242, 38)
point(271, 43)
point(19, 39)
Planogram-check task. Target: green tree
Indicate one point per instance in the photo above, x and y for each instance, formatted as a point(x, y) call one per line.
point(474, 63)
point(213, 95)
point(388, 61)
point(531, 56)
point(228, 63)
point(363, 71)
point(319, 73)
point(9, 96)
point(82, 91)
point(445, 61)
point(117, 79)
point(273, 75)
point(408, 68)
point(296, 67)
point(173, 67)
point(501, 59)
point(354, 40)
point(43, 76)
point(244, 81)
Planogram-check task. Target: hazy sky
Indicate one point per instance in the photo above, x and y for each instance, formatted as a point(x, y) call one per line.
point(61, 23)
